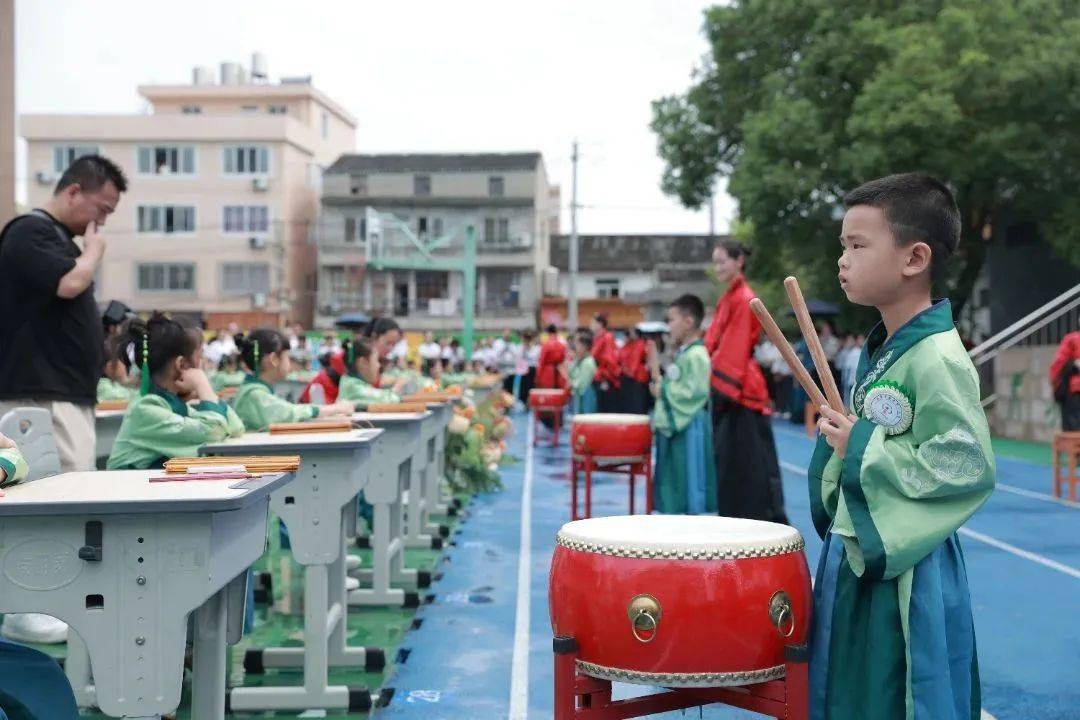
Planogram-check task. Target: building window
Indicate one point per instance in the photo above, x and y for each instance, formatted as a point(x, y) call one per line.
point(502, 289)
point(422, 185)
point(431, 285)
point(245, 278)
point(495, 186)
point(166, 277)
point(191, 109)
point(436, 227)
point(358, 184)
point(64, 155)
point(421, 226)
point(166, 219)
point(246, 219)
point(166, 159)
point(277, 109)
point(247, 160)
point(607, 287)
point(325, 125)
point(497, 231)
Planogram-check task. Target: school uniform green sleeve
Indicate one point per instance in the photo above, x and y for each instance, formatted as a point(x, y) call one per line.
point(258, 408)
point(356, 390)
point(151, 430)
point(110, 390)
point(582, 374)
point(898, 497)
point(685, 391)
point(12, 466)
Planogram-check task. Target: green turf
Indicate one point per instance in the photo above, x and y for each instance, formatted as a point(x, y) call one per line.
point(281, 625)
point(1033, 452)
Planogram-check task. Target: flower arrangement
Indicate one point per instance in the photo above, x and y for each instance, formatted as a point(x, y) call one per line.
point(476, 444)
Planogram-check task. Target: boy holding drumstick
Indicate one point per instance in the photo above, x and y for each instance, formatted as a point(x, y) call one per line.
point(890, 484)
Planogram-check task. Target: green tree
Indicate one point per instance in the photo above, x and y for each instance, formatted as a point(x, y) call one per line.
point(799, 101)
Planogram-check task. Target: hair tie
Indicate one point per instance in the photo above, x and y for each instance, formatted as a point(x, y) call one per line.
point(144, 387)
point(255, 367)
point(350, 354)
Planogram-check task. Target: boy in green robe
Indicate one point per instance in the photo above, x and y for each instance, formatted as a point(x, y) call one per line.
point(581, 375)
point(12, 465)
point(160, 424)
point(685, 480)
point(890, 484)
point(265, 354)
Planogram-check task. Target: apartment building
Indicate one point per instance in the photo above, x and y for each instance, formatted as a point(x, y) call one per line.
point(224, 182)
point(426, 198)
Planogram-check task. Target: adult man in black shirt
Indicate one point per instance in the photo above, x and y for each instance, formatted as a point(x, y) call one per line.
point(51, 344)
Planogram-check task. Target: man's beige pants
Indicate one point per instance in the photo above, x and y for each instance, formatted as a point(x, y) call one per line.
point(73, 430)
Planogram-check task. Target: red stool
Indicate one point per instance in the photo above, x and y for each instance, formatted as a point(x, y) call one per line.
point(547, 401)
point(613, 443)
point(1067, 443)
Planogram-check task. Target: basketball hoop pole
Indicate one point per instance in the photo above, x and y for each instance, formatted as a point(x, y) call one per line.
point(469, 278)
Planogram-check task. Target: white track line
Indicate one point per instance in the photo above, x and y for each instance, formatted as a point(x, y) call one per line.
point(519, 673)
point(991, 541)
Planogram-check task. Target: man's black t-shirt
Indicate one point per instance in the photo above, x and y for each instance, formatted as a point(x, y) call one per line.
point(50, 348)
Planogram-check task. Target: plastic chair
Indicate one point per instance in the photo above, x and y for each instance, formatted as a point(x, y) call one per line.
point(33, 686)
point(32, 430)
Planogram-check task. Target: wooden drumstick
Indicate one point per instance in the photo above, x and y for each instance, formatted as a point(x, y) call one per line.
point(806, 324)
point(781, 343)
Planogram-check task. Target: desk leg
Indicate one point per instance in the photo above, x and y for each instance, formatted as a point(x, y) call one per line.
point(386, 547)
point(420, 480)
point(208, 674)
point(77, 669)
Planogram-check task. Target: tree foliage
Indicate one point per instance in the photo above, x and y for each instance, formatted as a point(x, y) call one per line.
point(799, 101)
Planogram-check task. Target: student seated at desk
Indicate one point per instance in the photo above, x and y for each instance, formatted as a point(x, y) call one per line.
point(113, 384)
point(360, 385)
point(228, 374)
point(160, 424)
point(265, 355)
point(32, 685)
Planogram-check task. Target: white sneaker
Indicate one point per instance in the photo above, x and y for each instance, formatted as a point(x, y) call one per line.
point(34, 628)
point(351, 583)
point(352, 562)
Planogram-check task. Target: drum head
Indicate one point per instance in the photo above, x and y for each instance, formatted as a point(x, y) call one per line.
point(611, 419)
point(680, 536)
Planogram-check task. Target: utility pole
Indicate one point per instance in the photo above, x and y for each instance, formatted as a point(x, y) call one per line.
point(712, 214)
point(571, 306)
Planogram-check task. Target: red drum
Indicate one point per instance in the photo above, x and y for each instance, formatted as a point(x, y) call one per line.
point(611, 437)
point(680, 601)
point(548, 399)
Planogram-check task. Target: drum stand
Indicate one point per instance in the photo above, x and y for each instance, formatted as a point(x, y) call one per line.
point(591, 463)
point(556, 414)
point(581, 697)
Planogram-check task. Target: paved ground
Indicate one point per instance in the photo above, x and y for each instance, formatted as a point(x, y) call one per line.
point(1022, 550)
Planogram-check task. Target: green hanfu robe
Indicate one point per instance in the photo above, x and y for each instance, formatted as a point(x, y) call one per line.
point(221, 379)
point(893, 636)
point(685, 472)
point(111, 390)
point(582, 392)
point(159, 426)
point(258, 406)
point(13, 465)
point(356, 389)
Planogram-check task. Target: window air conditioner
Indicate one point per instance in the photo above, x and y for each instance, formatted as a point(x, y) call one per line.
point(260, 184)
point(45, 178)
point(258, 300)
point(256, 242)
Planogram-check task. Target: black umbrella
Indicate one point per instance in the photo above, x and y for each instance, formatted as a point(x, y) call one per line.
point(353, 320)
point(818, 308)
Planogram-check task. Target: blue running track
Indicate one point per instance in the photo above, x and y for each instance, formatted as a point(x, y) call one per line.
point(1023, 558)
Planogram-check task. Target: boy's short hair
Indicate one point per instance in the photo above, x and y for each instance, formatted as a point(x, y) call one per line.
point(918, 208)
point(690, 305)
point(91, 172)
point(584, 337)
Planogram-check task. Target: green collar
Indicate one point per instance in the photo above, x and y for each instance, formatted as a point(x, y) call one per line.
point(250, 379)
point(879, 354)
point(177, 405)
point(689, 345)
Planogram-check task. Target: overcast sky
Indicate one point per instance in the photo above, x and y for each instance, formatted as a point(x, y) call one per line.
point(434, 76)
